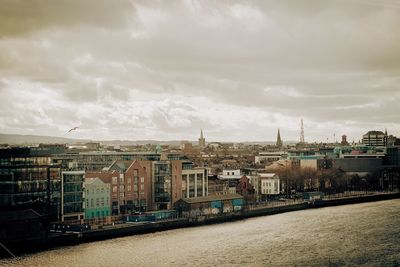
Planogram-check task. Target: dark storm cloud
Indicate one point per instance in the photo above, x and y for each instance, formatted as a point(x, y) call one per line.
point(22, 17)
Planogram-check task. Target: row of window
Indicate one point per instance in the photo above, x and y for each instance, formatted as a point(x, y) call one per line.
point(267, 191)
point(267, 184)
point(122, 195)
point(97, 191)
point(98, 202)
point(128, 188)
point(114, 180)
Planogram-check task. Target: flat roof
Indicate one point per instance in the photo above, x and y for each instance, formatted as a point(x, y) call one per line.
point(211, 198)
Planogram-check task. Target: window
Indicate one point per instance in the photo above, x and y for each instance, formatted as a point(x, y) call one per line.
point(115, 189)
point(142, 187)
point(142, 179)
point(114, 180)
point(135, 187)
point(135, 172)
point(97, 202)
point(129, 188)
point(92, 202)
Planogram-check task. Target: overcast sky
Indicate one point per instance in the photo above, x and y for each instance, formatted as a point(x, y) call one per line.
point(165, 69)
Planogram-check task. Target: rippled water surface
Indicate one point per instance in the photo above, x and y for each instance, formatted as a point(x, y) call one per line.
point(362, 234)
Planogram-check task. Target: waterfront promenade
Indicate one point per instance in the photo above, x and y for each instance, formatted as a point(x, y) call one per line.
point(268, 208)
point(363, 234)
point(118, 228)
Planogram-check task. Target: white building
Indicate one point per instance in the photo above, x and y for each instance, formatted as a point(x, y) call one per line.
point(270, 184)
point(230, 175)
point(195, 182)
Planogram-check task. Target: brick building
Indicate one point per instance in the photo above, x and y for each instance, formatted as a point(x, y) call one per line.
point(130, 185)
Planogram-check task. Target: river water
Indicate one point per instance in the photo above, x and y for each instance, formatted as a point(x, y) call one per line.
point(362, 234)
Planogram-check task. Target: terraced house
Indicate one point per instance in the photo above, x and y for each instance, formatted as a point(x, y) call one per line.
point(129, 185)
point(97, 198)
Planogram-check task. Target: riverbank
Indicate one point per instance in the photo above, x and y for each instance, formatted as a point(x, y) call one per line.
point(126, 229)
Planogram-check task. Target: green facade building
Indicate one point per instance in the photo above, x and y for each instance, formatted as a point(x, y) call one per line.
point(97, 198)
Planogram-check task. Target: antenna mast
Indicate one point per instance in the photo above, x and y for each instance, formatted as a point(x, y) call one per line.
point(302, 132)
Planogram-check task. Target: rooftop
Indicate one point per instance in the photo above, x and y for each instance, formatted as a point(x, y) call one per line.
point(211, 198)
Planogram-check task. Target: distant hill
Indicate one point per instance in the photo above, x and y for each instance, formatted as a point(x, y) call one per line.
point(19, 140)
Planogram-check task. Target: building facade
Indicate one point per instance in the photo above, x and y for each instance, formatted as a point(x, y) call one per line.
point(97, 198)
point(29, 181)
point(210, 205)
point(270, 184)
point(72, 195)
point(166, 183)
point(246, 189)
point(194, 182)
point(130, 185)
point(374, 138)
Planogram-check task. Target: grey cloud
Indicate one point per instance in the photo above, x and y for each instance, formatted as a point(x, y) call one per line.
point(22, 17)
point(327, 61)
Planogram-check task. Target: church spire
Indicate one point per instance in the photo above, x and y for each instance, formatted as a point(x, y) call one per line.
point(202, 140)
point(279, 140)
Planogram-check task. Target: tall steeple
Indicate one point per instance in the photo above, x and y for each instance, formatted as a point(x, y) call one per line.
point(202, 140)
point(279, 140)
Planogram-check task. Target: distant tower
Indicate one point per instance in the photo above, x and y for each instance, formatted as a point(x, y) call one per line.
point(385, 138)
point(202, 140)
point(279, 140)
point(344, 141)
point(302, 132)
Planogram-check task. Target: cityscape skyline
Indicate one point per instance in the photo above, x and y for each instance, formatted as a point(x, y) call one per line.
point(237, 70)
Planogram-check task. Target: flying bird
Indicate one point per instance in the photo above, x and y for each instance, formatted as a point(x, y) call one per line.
point(73, 129)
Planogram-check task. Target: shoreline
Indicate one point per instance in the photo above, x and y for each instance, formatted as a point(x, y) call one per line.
point(56, 240)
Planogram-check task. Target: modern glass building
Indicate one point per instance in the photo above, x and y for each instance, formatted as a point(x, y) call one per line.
point(162, 184)
point(29, 181)
point(72, 192)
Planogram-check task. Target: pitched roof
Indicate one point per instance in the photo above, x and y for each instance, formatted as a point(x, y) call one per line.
point(120, 165)
point(96, 180)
